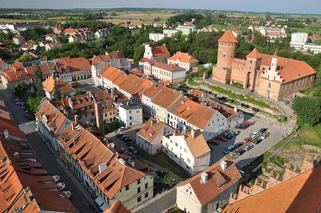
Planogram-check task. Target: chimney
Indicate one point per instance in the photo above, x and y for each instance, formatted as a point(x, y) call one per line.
point(6, 133)
point(76, 119)
point(223, 165)
point(122, 161)
point(73, 126)
point(235, 109)
point(99, 117)
point(204, 178)
point(193, 133)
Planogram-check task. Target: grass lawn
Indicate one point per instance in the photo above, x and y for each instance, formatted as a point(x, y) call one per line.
point(163, 161)
point(311, 135)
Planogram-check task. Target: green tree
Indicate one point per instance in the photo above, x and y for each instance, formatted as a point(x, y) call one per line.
point(56, 95)
point(308, 110)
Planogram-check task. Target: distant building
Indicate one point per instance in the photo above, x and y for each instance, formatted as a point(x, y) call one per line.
point(188, 149)
point(115, 59)
point(162, 71)
point(130, 114)
point(156, 36)
point(18, 39)
point(269, 75)
point(101, 33)
point(210, 190)
point(183, 60)
point(299, 41)
point(272, 33)
point(78, 35)
point(158, 53)
point(78, 67)
point(186, 29)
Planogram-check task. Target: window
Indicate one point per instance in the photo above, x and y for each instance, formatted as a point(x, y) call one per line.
point(138, 190)
point(127, 187)
point(146, 195)
point(139, 199)
point(146, 185)
point(138, 182)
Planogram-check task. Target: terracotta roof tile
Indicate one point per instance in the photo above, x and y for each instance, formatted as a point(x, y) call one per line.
point(183, 57)
point(228, 37)
point(151, 130)
point(160, 51)
point(214, 185)
point(298, 194)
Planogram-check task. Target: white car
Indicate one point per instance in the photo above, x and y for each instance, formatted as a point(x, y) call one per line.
point(254, 134)
point(61, 186)
point(56, 178)
point(67, 194)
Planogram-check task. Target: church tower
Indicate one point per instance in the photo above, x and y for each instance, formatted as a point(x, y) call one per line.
point(225, 55)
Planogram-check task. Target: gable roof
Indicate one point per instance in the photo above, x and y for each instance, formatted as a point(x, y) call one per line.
point(298, 194)
point(228, 37)
point(197, 145)
point(160, 51)
point(194, 113)
point(90, 153)
point(162, 65)
point(253, 54)
point(135, 85)
point(166, 98)
point(51, 116)
point(74, 64)
point(183, 57)
point(289, 69)
point(218, 181)
point(151, 129)
point(63, 88)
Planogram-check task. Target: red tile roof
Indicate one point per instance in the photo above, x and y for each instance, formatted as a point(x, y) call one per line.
point(183, 57)
point(12, 127)
point(228, 37)
point(63, 88)
point(74, 64)
point(90, 152)
point(117, 207)
point(298, 194)
point(289, 69)
point(151, 130)
point(51, 116)
point(160, 51)
point(161, 65)
point(194, 113)
point(218, 181)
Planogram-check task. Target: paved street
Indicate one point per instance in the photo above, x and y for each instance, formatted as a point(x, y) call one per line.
point(50, 161)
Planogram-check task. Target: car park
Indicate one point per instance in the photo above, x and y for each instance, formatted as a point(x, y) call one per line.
point(237, 145)
point(265, 135)
point(263, 130)
point(241, 151)
point(132, 149)
point(253, 135)
point(258, 140)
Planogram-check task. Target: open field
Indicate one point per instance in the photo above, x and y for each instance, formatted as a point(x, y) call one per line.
point(146, 17)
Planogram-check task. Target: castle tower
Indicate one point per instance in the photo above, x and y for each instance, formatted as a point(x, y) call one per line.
point(225, 55)
point(253, 62)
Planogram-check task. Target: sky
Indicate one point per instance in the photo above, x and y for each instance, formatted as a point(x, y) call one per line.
point(279, 6)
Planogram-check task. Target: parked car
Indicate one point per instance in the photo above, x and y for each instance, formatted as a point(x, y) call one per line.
point(263, 130)
point(66, 194)
point(253, 135)
point(241, 151)
point(237, 145)
point(228, 134)
point(123, 128)
point(221, 138)
point(132, 149)
point(61, 186)
point(229, 149)
point(265, 135)
point(248, 147)
point(56, 178)
point(120, 149)
point(258, 140)
point(119, 135)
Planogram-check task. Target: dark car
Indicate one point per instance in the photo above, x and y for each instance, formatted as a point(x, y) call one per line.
point(263, 130)
point(119, 135)
point(258, 140)
point(241, 151)
point(237, 145)
point(248, 147)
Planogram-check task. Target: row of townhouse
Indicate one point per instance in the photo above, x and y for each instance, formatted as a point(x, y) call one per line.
point(130, 85)
point(25, 185)
point(115, 59)
point(84, 34)
point(67, 69)
point(174, 109)
point(106, 175)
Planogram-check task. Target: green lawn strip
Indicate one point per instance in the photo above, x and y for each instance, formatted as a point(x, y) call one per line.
point(162, 160)
point(311, 135)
